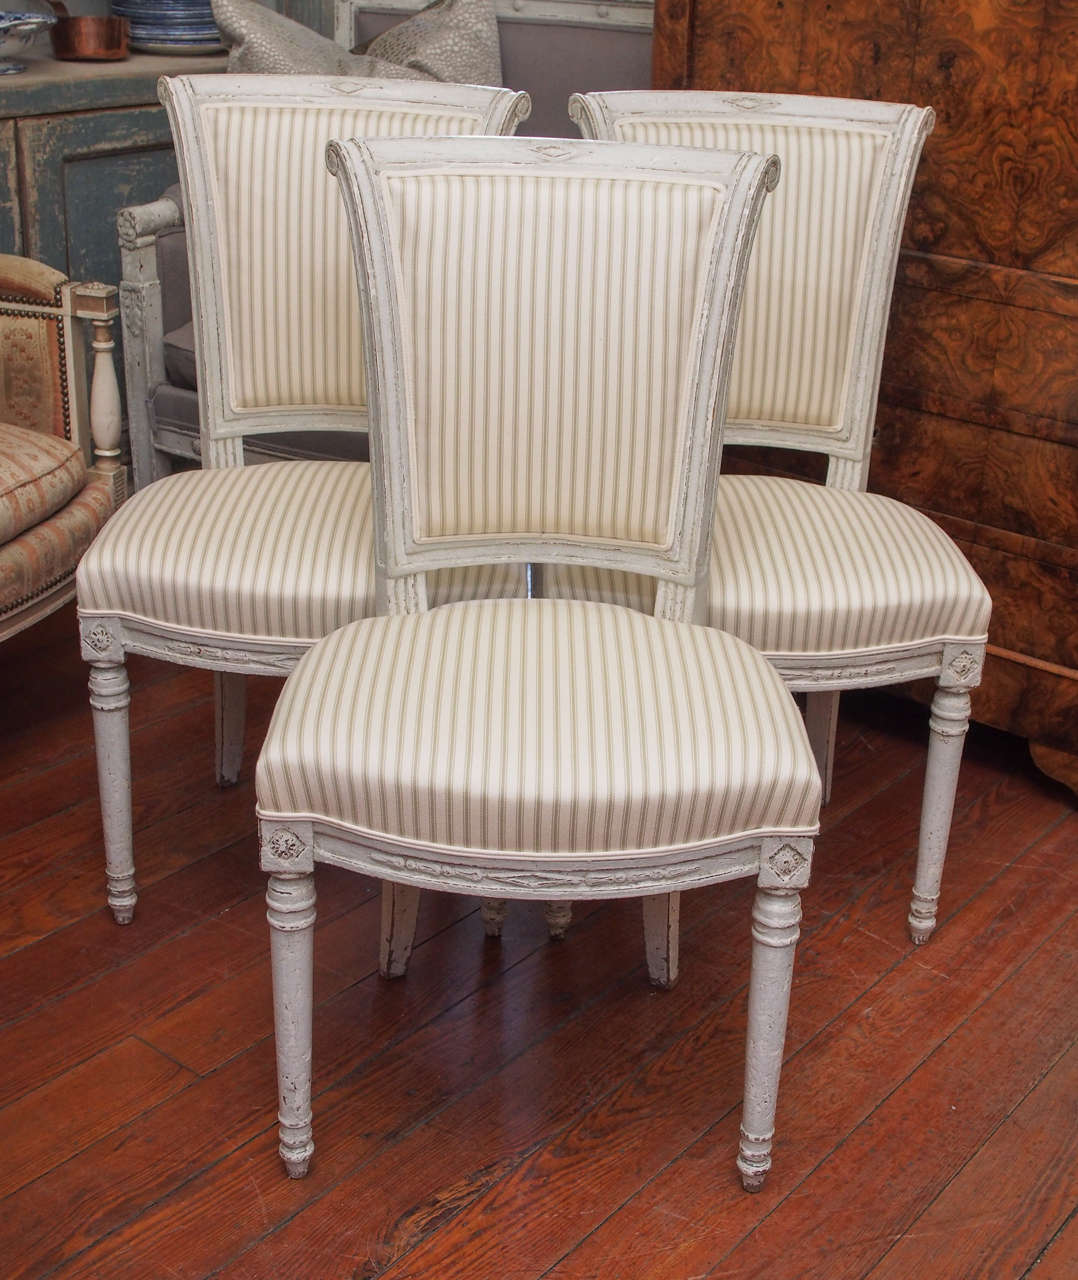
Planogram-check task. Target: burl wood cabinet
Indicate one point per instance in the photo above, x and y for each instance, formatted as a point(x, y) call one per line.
point(978, 416)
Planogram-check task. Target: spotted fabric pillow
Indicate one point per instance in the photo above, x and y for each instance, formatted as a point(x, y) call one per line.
point(39, 474)
point(455, 41)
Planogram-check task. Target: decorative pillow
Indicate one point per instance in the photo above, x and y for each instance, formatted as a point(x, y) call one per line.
point(452, 40)
point(38, 475)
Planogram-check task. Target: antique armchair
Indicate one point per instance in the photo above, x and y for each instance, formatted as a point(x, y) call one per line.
point(539, 748)
point(232, 568)
point(840, 588)
point(60, 472)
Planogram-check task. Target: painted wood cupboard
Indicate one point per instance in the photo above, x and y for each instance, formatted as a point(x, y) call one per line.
point(978, 417)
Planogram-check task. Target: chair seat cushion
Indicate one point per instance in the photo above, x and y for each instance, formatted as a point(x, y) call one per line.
point(38, 475)
point(538, 726)
point(799, 568)
point(280, 551)
point(42, 557)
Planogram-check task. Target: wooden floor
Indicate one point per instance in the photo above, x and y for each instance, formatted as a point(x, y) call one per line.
point(525, 1109)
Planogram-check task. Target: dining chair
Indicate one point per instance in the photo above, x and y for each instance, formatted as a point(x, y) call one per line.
point(238, 569)
point(531, 308)
point(840, 588)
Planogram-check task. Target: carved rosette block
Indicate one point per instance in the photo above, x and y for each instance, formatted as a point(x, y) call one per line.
point(961, 666)
point(785, 864)
point(101, 646)
point(286, 849)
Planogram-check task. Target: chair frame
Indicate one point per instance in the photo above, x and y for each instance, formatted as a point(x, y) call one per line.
point(955, 666)
point(291, 844)
point(90, 407)
point(106, 637)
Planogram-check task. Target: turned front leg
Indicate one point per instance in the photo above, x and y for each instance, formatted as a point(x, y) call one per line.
point(776, 919)
point(947, 725)
point(290, 903)
point(110, 698)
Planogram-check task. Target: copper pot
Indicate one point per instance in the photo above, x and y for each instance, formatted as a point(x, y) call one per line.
point(87, 39)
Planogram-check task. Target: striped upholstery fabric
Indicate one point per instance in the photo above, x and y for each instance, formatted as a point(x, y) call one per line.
point(792, 358)
point(44, 556)
point(538, 727)
point(505, 358)
point(291, 311)
point(283, 550)
point(797, 568)
point(38, 475)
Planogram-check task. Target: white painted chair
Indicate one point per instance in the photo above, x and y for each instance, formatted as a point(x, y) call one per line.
point(533, 308)
point(239, 569)
point(841, 589)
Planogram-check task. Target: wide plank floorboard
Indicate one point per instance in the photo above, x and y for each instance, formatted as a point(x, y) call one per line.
point(518, 1110)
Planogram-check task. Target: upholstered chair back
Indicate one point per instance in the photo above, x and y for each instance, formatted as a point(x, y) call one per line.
point(810, 346)
point(41, 353)
point(278, 338)
point(550, 349)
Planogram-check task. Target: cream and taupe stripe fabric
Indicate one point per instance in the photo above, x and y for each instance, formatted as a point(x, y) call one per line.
point(792, 358)
point(283, 550)
point(798, 568)
point(538, 726)
point(506, 357)
point(291, 313)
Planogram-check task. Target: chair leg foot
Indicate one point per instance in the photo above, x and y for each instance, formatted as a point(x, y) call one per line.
point(297, 1163)
point(559, 916)
point(492, 911)
point(922, 919)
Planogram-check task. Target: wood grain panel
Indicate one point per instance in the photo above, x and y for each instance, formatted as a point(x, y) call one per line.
point(1034, 603)
point(859, 50)
point(976, 64)
point(938, 339)
point(986, 280)
point(933, 462)
point(671, 43)
point(1026, 700)
point(755, 47)
point(1047, 229)
point(1030, 487)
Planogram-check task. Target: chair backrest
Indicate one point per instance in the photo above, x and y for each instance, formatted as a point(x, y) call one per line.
point(277, 338)
point(807, 365)
point(42, 352)
point(550, 339)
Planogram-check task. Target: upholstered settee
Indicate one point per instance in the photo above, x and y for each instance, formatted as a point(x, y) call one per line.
point(54, 494)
